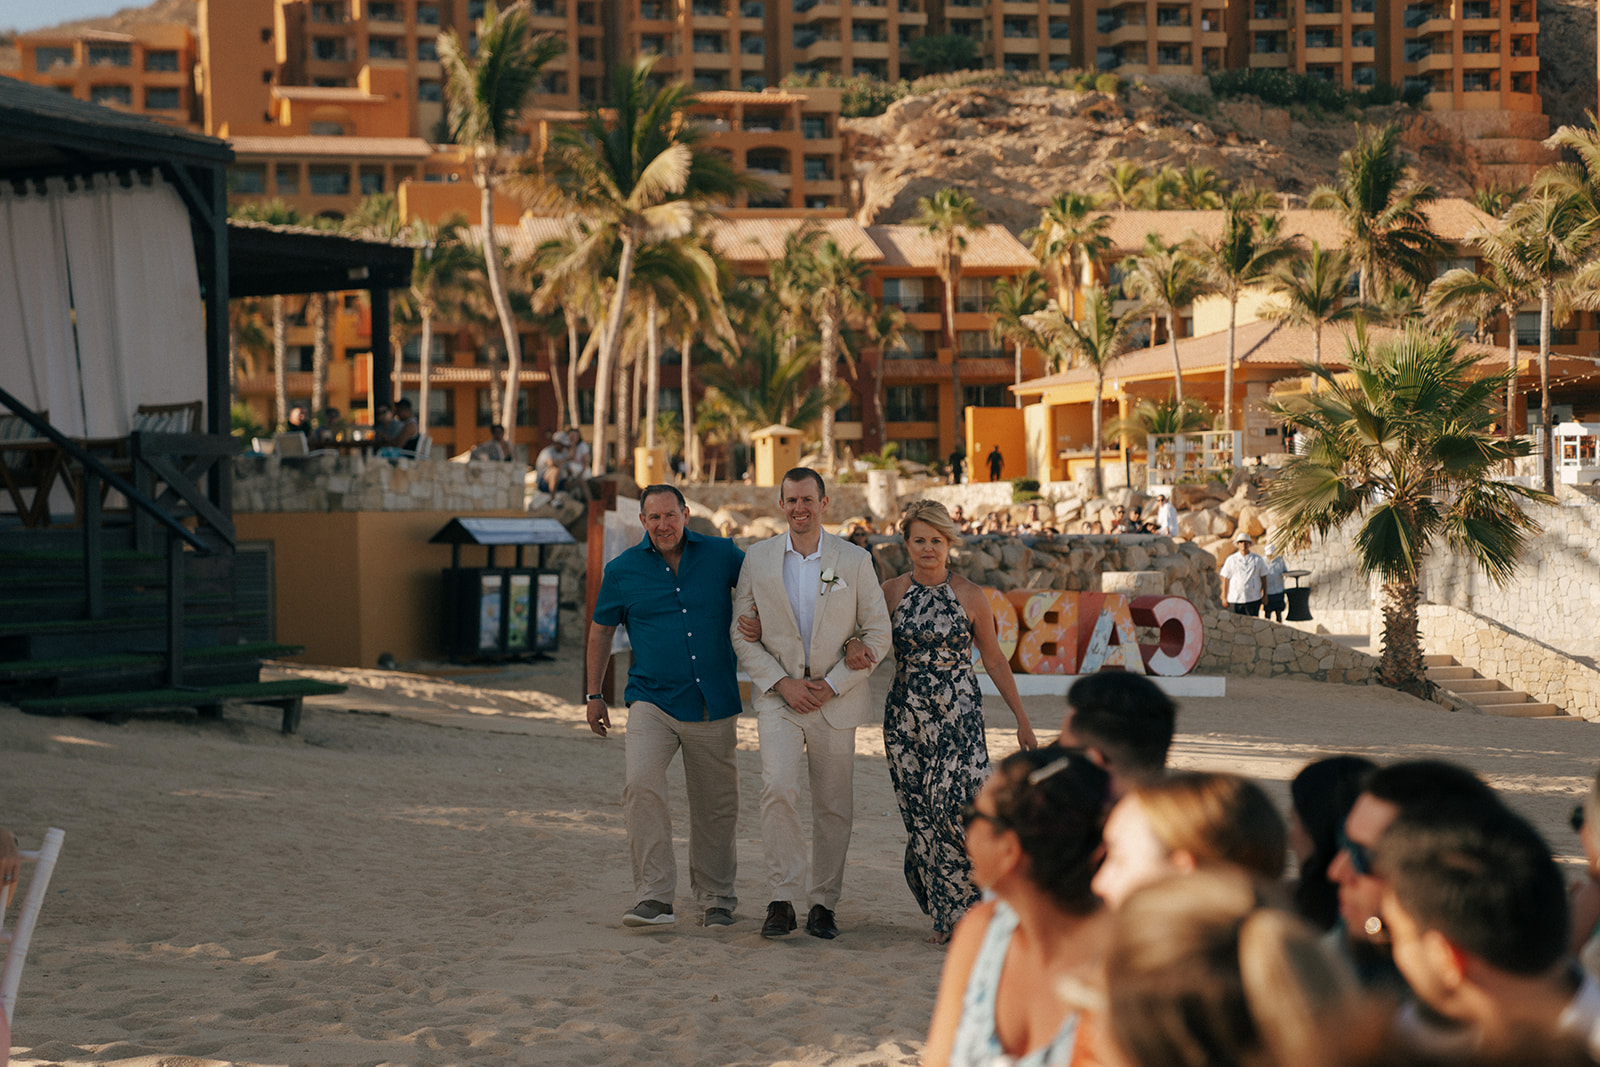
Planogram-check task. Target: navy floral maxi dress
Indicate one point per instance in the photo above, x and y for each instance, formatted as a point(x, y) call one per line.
point(933, 733)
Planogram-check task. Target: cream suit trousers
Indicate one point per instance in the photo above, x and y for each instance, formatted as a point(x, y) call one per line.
point(711, 778)
point(790, 740)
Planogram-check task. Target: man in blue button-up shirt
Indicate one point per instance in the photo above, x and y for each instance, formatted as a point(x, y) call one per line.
point(673, 590)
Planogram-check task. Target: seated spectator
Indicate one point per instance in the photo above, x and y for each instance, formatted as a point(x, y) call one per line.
point(550, 471)
point(299, 421)
point(1321, 796)
point(330, 430)
point(1200, 974)
point(1119, 521)
point(399, 431)
point(1477, 913)
point(1087, 527)
point(959, 517)
point(1187, 822)
point(578, 465)
point(1015, 959)
point(1096, 527)
point(497, 449)
point(1166, 517)
point(1124, 722)
point(383, 423)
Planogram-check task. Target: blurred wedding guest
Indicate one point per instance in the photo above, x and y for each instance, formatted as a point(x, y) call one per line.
point(1200, 974)
point(959, 517)
point(1276, 568)
point(329, 430)
point(299, 420)
point(1125, 723)
point(1584, 941)
point(1166, 516)
point(1477, 913)
point(1387, 792)
point(1190, 821)
point(1321, 796)
point(1024, 964)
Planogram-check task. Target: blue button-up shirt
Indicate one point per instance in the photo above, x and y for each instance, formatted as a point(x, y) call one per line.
point(678, 625)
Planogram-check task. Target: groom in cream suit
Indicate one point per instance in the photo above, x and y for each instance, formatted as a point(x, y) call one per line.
point(813, 594)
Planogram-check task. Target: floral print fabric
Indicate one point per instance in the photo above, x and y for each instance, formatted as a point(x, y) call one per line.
point(933, 733)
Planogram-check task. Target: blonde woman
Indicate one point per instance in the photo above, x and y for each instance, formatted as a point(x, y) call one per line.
point(933, 721)
point(1186, 822)
point(1201, 975)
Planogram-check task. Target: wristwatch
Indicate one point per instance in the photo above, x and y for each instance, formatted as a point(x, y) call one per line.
point(593, 696)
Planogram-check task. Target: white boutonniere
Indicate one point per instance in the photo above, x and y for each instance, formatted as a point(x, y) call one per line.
point(831, 579)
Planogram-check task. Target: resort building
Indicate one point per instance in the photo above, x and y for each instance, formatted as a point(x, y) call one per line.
point(148, 70)
point(788, 139)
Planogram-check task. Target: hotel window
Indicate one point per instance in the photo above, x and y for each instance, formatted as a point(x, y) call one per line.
point(287, 178)
point(429, 92)
point(488, 416)
point(1364, 37)
point(164, 60)
point(110, 55)
point(330, 181)
point(250, 181)
point(1366, 77)
point(813, 127)
point(159, 99)
point(985, 396)
point(427, 50)
point(474, 9)
point(441, 405)
point(753, 46)
point(817, 169)
point(753, 83)
point(976, 344)
point(384, 11)
point(385, 48)
point(975, 294)
point(709, 42)
point(427, 14)
point(112, 94)
point(912, 345)
point(45, 58)
point(908, 294)
point(328, 49)
point(411, 351)
point(326, 129)
point(910, 403)
point(371, 181)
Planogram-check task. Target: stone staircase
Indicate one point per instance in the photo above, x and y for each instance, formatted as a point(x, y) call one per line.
point(1486, 694)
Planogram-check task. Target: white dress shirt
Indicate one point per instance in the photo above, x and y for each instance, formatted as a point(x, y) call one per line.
point(802, 576)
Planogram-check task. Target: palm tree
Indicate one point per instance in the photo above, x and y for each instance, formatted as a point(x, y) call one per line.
point(1555, 234)
point(1408, 447)
point(946, 217)
point(1068, 241)
point(487, 94)
point(1096, 342)
point(1496, 198)
point(833, 286)
point(1312, 288)
point(885, 324)
point(638, 178)
point(1153, 417)
point(1199, 187)
point(1464, 294)
point(1166, 279)
point(442, 264)
point(1239, 257)
point(1124, 183)
point(1013, 301)
point(275, 213)
point(761, 382)
point(1382, 209)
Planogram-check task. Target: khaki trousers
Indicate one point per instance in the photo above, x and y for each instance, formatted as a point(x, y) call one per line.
point(711, 778)
point(788, 740)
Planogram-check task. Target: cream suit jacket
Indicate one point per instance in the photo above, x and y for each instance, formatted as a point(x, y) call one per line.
point(851, 607)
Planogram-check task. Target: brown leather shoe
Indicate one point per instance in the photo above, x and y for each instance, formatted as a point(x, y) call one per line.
point(820, 923)
point(780, 919)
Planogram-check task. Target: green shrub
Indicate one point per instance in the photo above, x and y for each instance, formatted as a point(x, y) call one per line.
point(1109, 84)
point(1023, 498)
point(1285, 89)
point(1024, 490)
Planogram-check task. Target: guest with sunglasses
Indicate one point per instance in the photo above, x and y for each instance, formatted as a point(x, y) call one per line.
point(1321, 796)
point(1022, 965)
point(1385, 794)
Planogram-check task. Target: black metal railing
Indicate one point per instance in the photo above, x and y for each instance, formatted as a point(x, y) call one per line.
point(153, 463)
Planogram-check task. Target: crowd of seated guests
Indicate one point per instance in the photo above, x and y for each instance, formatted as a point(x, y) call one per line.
point(1140, 917)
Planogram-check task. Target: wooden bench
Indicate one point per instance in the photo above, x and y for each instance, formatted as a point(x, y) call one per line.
point(287, 695)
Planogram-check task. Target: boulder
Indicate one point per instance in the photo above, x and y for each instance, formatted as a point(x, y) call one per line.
point(1250, 520)
point(1189, 497)
point(703, 525)
point(730, 517)
point(1015, 556)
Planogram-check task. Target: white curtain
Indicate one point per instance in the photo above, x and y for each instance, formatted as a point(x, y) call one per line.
point(123, 260)
point(37, 361)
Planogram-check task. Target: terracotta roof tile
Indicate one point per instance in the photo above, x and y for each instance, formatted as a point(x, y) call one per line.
point(347, 147)
point(990, 248)
point(747, 240)
point(1452, 219)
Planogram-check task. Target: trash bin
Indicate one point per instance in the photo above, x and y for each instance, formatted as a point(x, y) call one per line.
point(1299, 603)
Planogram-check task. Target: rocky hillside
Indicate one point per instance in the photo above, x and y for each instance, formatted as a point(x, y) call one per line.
point(1012, 149)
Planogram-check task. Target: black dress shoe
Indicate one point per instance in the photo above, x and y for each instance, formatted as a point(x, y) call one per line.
point(820, 923)
point(780, 919)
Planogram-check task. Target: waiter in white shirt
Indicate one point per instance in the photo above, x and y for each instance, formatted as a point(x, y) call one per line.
point(1244, 577)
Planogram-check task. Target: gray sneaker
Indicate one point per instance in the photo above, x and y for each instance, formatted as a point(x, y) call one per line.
point(649, 913)
point(718, 917)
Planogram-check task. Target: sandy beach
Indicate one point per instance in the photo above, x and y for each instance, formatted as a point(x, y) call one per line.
point(434, 871)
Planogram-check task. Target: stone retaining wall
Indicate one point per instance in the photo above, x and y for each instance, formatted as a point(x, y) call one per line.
point(1258, 648)
point(1555, 592)
point(358, 483)
point(1547, 674)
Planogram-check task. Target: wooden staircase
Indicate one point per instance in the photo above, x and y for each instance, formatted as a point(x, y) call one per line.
point(54, 660)
point(1488, 695)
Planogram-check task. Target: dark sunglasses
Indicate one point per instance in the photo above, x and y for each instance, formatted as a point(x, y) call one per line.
point(970, 814)
point(1360, 855)
point(1576, 819)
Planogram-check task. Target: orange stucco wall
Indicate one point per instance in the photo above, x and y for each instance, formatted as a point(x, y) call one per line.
point(352, 585)
point(987, 427)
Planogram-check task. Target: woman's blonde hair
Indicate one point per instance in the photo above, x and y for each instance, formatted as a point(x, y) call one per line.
point(1216, 818)
point(1201, 975)
point(933, 514)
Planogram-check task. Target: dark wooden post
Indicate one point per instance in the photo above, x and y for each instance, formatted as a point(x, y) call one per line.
point(382, 355)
